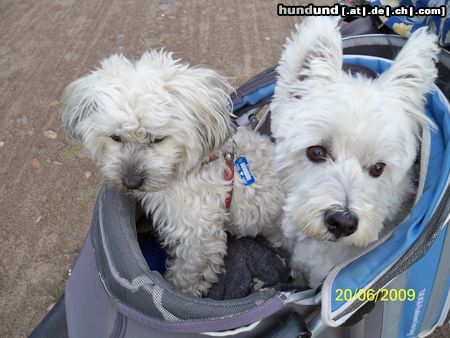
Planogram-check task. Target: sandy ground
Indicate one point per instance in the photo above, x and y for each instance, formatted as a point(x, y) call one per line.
point(47, 184)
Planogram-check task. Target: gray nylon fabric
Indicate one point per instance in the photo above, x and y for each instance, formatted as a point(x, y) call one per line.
point(437, 296)
point(127, 278)
point(89, 313)
point(393, 310)
point(374, 322)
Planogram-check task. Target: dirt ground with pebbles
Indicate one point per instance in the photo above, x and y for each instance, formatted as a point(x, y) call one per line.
point(48, 185)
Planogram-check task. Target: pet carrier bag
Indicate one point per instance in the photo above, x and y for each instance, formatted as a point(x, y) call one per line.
point(111, 291)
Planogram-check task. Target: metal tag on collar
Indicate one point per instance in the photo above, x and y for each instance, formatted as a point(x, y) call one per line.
point(244, 170)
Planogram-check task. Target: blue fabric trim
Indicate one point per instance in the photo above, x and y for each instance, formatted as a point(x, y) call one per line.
point(258, 95)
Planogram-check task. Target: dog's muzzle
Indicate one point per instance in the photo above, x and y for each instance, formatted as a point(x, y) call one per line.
point(132, 182)
point(341, 223)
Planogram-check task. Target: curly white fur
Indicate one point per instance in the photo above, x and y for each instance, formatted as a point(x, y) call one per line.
point(154, 121)
point(360, 122)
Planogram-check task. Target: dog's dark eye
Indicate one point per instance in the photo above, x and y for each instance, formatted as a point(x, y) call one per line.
point(316, 153)
point(158, 140)
point(116, 138)
point(376, 169)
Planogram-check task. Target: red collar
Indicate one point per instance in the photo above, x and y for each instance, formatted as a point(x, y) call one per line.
point(228, 174)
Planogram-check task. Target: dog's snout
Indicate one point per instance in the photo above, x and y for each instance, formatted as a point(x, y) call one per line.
point(132, 182)
point(341, 223)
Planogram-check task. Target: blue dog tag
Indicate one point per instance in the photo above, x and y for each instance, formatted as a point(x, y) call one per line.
point(244, 171)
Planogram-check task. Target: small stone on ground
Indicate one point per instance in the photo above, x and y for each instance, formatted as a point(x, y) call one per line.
point(50, 134)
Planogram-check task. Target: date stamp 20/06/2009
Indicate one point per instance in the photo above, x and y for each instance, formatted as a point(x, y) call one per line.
point(384, 295)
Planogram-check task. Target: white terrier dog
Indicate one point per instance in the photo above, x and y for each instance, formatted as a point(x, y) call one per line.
point(345, 145)
point(161, 130)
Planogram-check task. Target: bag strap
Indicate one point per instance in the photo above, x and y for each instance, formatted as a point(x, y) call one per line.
point(360, 26)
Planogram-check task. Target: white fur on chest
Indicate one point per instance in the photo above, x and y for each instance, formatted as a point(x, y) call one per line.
point(189, 202)
point(313, 259)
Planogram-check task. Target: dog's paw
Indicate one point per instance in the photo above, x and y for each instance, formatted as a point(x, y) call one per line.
point(300, 279)
point(189, 283)
point(198, 289)
point(196, 267)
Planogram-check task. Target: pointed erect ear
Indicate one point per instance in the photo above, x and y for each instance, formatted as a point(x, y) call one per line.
point(78, 104)
point(413, 72)
point(313, 52)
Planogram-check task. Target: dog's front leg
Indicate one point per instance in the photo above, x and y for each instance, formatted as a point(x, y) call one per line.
point(190, 224)
point(196, 259)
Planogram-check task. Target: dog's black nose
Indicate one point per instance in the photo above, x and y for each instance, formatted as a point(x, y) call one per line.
point(132, 182)
point(341, 223)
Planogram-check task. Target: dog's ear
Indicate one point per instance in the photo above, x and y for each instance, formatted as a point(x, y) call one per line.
point(203, 95)
point(313, 52)
point(78, 104)
point(412, 73)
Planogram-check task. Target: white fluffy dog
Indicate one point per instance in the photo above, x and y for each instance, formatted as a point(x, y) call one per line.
point(152, 125)
point(345, 145)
